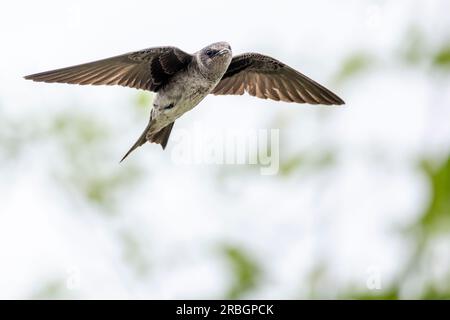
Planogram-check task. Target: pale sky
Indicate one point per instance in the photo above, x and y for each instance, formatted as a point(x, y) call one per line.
point(341, 217)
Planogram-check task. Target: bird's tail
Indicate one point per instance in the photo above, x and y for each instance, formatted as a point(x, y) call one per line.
point(161, 137)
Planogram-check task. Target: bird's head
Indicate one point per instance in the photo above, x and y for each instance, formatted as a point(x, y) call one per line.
point(215, 58)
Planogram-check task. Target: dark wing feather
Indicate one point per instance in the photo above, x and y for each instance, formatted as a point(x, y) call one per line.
point(148, 69)
point(268, 78)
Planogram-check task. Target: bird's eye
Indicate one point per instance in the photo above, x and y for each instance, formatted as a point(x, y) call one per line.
point(210, 53)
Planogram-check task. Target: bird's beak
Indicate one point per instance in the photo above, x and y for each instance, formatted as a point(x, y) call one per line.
point(223, 51)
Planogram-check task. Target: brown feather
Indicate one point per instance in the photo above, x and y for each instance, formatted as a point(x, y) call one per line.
point(265, 77)
point(148, 69)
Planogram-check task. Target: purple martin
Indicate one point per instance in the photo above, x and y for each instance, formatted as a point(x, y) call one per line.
point(181, 80)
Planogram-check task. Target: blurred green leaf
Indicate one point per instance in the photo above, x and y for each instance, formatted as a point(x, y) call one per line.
point(85, 143)
point(441, 58)
point(87, 128)
point(390, 294)
point(290, 165)
point(317, 279)
point(245, 272)
point(307, 161)
point(143, 102)
point(54, 289)
point(433, 293)
point(414, 47)
point(437, 214)
point(354, 65)
point(100, 189)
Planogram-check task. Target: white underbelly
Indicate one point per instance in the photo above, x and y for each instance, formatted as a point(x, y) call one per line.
point(190, 97)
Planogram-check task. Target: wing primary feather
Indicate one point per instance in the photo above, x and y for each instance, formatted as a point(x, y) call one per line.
point(106, 76)
point(132, 69)
point(266, 77)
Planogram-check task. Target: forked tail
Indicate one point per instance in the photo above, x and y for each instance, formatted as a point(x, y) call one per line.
point(161, 137)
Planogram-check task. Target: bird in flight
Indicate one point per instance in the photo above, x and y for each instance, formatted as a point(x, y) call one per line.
point(181, 80)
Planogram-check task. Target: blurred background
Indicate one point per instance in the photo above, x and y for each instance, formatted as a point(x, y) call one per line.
point(360, 207)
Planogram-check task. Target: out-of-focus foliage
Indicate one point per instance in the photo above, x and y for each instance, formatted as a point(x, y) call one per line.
point(432, 224)
point(310, 161)
point(82, 139)
point(14, 135)
point(355, 64)
point(134, 253)
point(245, 272)
point(84, 142)
point(423, 236)
point(53, 289)
point(442, 57)
point(143, 103)
point(437, 215)
point(413, 50)
point(416, 50)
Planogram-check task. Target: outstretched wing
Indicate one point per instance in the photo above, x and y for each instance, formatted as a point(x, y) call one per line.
point(148, 69)
point(266, 77)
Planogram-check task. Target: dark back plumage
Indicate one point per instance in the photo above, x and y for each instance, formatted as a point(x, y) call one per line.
point(148, 69)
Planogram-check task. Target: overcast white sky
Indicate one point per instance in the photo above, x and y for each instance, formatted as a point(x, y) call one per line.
point(179, 214)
